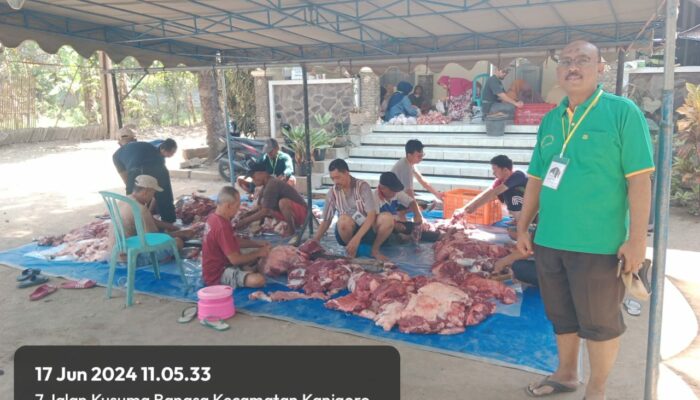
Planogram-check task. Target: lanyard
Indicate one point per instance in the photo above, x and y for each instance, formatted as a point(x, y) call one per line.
point(571, 131)
point(275, 164)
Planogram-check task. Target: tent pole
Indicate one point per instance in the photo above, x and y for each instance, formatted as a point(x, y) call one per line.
point(620, 71)
point(117, 102)
point(307, 160)
point(663, 192)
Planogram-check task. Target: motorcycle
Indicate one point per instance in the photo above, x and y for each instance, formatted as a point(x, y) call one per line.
point(246, 152)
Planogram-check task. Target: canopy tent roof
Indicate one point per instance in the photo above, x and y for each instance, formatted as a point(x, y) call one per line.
point(256, 32)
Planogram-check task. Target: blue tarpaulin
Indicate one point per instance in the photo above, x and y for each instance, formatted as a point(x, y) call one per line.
point(517, 336)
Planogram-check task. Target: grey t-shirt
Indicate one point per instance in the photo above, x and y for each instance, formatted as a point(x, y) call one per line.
point(404, 171)
point(492, 89)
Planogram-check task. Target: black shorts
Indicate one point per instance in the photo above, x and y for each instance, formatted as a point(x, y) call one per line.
point(581, 292)
point(368, 238)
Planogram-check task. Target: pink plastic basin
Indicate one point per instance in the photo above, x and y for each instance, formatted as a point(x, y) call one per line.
point(215, 302)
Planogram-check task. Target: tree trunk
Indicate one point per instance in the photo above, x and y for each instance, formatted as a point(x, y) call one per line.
point(212, 114)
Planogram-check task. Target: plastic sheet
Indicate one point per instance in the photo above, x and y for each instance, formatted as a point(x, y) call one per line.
point(521, 338)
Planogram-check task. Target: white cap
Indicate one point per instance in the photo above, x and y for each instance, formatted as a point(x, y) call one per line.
point(148, 182)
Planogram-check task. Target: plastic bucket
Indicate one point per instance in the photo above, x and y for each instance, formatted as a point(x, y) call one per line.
point(215, 302)
point(495, 128)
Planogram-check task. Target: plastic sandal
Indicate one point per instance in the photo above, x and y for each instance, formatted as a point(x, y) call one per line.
point(216, 324)
point(187, 315)
point(81, 284)
point(33, 280)
point(26, 273)
point(42, 291)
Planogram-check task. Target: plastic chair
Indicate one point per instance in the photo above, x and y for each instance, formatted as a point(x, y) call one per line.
point(133, 246)
point(482, 78)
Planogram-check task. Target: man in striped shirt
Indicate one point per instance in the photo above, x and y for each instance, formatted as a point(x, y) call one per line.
point(357, 214)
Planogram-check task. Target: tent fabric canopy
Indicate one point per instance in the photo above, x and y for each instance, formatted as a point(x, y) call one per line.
point(368, 32)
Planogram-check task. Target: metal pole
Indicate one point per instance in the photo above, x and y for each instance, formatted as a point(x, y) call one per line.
point(229, 145)
point(620, 71)
point(117, 103)
point(663, 194)
point(307, 160)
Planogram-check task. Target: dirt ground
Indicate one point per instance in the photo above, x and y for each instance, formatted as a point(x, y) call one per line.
point(50, 188)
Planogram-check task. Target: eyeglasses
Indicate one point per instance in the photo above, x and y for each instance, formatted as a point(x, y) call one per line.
point(579, 62)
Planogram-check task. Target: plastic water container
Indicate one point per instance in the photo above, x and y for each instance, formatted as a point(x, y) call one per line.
point(215, 303)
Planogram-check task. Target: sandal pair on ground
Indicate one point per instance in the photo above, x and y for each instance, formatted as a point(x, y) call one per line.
point(189, 313)
point(32, 277)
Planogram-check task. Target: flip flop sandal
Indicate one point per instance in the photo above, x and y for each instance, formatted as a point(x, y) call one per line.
point(187, 315)
point(33, 280)
point(216, 324)
point(42, 291)
point(633, 307)
point(556, 388)
point(81, 284)
point(26, 273)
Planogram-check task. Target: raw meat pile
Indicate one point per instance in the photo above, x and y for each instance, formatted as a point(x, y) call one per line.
point(194, 208)
point(421, 304)
point(445, 303)
point(322, 276)
point(87, 243)
point(282, 259)
point(457, 248)
point(433, 118)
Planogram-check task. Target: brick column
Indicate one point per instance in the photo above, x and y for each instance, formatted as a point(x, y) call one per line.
point(369, 95)
point(263, 118)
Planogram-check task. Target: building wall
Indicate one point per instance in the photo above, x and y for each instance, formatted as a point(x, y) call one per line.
point(324, 96)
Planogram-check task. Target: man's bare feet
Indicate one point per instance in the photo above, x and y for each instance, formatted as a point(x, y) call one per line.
point(379, 256)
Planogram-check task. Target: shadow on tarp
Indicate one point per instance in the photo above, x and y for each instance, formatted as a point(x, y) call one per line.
point(517, 336)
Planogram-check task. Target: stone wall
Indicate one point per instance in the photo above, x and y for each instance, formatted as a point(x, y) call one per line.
point(641, 86)
point(34, 135)
point(369, 96)
point(336, 98)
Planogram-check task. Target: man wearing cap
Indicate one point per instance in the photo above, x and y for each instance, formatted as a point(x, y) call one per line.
point(590, 181)
point(142, 158)
point(495, 103)
point(126, 135)
point(144, 189)
point(357, 213)
point(389, 198)
point(277, 200)
point(277, 163)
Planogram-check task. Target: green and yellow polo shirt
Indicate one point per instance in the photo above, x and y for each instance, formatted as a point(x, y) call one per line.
point(589, 211)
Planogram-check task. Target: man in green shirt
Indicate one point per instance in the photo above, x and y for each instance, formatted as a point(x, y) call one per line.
point(278, 163)
point(591, 184)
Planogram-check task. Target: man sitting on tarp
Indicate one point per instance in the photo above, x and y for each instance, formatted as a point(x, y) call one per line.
point(390, 199)
point(223, 263)
point(357, 214)
point(277, 163)
point(142, 158)
point(509, 188)
point(277, 199)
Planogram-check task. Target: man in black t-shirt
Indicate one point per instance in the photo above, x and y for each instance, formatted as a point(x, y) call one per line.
point(143, 158)
point(509, 188)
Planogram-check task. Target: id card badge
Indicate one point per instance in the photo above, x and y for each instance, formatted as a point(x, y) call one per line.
point(555, 172)
point(359, 218)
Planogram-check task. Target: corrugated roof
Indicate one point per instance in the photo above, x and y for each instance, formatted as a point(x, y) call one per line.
point(288, 31)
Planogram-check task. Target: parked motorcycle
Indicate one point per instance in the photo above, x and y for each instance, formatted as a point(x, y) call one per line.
point(246, 152)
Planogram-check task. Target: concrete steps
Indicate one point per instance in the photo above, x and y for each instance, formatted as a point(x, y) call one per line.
point(459, 154)
point(441, 183)
point(456, 156)
point(427, 168)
